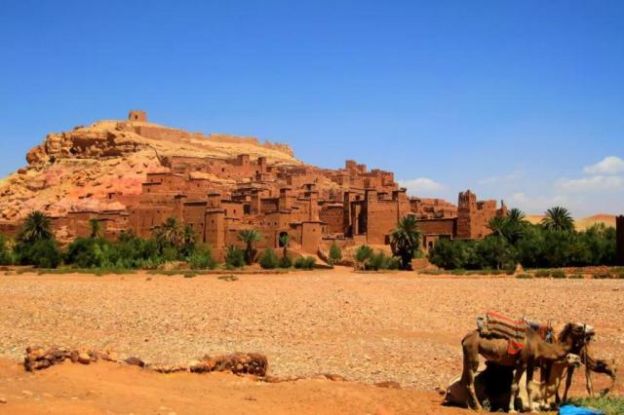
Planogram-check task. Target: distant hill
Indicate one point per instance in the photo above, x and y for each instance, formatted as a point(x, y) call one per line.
point(581, 223)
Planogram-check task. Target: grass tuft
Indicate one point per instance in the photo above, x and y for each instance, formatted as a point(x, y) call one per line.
point(611, 405)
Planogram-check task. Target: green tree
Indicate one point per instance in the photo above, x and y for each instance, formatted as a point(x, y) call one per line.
point(36, 227)
point(405, 240)
point(284, 241)
point(89, 253)
point(558, 219)
point(42, 253)
point(249, 237)
point(5, 252)
point(96, 228)
point(168, 235)
point(189, 240)
point(498, 226)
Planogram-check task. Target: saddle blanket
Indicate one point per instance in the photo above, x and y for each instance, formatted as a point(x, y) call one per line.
point(494, 324)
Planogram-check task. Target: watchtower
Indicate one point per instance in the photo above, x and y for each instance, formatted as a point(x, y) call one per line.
point(137, 115)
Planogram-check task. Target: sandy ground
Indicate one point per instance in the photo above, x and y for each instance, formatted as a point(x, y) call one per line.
point(366, 327)
point(106, 388)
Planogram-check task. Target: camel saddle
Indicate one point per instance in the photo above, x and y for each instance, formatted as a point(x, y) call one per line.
point(497, 325)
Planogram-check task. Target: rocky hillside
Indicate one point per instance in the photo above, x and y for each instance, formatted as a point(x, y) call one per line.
point(77, 169)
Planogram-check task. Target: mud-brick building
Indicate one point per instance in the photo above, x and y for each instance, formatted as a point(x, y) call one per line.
point(218, 197)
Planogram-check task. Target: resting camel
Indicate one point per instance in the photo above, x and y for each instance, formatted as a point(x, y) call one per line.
point(535, 352)
point(493, 386)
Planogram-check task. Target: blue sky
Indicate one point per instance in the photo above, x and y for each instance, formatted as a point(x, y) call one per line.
point(517, 100)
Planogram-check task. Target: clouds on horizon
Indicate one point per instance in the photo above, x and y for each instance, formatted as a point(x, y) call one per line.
point(422, 186)
point(597, 188)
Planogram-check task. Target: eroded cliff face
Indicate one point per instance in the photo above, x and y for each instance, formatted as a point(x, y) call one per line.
point(79, 169)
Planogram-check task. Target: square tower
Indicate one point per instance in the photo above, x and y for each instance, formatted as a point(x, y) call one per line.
point(137, 115)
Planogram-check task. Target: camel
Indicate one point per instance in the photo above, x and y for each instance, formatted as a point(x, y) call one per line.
point(576, 338)
point(493, 386)
point(591, 365)
point(535, 351)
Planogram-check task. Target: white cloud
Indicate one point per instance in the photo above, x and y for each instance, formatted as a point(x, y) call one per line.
point(534, 204)
point(505, 179)
point(608, 165)
point(591, 184)
point(421, 185)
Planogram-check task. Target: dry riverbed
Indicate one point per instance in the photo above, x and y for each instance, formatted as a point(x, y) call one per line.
point(366, 327)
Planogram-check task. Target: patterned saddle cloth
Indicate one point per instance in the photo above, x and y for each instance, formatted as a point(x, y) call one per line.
point(494, 324)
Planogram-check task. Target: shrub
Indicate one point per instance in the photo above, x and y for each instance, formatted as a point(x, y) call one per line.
point(363, 253)
point(88, 253)
point(335, 253)
point(170, 253)
point(542, 273)
point(43, 253)
point(285, 262)
point(305, 262)
point(380, 261)
point(6, 257)
point(234, 257)
point(603, 275)
point(201, 258)
point(611, 405)
point(576, 276)
point(558, 273)
point(524, 276)
point(269, 259)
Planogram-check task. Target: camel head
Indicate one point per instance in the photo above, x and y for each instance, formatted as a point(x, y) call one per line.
point(573, 360)
point(577, 335)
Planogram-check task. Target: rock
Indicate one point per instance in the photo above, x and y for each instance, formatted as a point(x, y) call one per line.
point(388, 385)
point(134, 361)
point(84, 358)
point(3, 400)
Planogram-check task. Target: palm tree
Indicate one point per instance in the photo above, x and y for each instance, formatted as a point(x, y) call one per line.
point(558, 219)
point(498, 226)
point(284, 241)
point(516, 225)
point(189, 240)
point(168, 234)
point(515, 215)
point(36, 227)
point(96, 228)
point(405, 240)
point(249, 236)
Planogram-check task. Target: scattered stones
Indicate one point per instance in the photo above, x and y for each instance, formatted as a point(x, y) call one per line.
point(134, 361)
point(237, 363)
point(388, 385)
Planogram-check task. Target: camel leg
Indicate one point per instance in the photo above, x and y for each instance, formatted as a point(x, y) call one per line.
point(567, 384)
point(469, 372)
point(529, 385)
point(515, 389)
point(588, 382)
